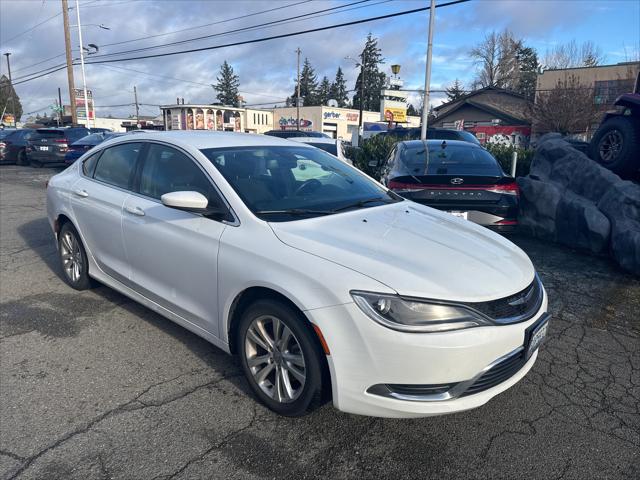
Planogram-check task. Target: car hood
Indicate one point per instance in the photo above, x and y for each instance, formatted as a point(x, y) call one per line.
point(415, 250)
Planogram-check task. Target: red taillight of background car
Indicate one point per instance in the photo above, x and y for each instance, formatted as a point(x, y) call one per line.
point(64, 146)
point(508, 188)
point(2, 144)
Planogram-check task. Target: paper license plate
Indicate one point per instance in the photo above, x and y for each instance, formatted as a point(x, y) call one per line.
point(44, 149)
point(459, 214)
point(537, 337)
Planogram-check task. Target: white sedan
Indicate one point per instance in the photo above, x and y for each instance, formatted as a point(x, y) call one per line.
point(323, 282)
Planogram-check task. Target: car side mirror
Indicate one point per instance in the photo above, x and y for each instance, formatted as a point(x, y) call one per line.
point(194, 202)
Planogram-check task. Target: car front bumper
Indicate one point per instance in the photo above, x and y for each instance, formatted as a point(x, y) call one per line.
point(364, 354)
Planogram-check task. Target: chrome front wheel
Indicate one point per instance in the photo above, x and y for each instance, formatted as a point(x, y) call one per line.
point(275, 359)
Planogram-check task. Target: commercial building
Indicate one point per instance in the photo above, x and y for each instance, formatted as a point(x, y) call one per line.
point(216, 117)
point(608, 81)
point(492, 114)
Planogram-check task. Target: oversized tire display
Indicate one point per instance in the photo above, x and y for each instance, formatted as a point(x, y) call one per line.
point(22, 158)
point(616, 145)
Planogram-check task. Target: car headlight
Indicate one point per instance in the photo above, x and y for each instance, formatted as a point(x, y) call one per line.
point(412, 315)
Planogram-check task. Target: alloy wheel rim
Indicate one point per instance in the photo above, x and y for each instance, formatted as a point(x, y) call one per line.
point(71, 256)
point(610, 146)
point(275, 359)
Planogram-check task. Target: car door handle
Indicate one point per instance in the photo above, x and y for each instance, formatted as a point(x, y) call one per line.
point(135, 211)
point(81, 193)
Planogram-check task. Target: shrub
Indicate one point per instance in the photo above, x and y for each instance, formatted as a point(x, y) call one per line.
point(373, 149)
point(504, 154)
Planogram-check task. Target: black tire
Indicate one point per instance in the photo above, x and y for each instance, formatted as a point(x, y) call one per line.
point(624, 134)
point(21, 159)
point(82, 281)
point(309, 395)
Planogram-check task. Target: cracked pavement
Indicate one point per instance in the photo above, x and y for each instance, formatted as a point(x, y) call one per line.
point(95, 386)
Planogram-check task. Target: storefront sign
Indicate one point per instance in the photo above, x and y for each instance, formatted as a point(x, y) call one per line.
point(291, 123)
point(81, 110)
point(175, 121)
point(352, 117)
point(392, 114)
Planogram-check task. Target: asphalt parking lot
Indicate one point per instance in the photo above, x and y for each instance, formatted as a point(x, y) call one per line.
point(93, 385)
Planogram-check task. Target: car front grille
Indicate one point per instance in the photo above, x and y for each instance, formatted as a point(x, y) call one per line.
point(515, 308)
point(497, 374)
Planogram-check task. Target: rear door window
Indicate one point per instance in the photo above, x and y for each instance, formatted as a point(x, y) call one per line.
point(116, 165)
point(89, 165)
point(167, 170)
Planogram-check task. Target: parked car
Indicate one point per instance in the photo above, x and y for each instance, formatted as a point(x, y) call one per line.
point(80, 147)
point(295, 133)
point(458, 177)
point(413, 133)
point(50, 145)
point(322, 281)
point(329, 145)
point(4, 132)
point(616, 143)
point(13, 146)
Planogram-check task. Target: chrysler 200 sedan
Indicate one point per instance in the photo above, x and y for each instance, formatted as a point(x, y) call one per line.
point(323, 282)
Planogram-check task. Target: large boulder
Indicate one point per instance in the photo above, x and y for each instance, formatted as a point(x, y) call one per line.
point(580, 224)
point(571, 199)
point(538, 204)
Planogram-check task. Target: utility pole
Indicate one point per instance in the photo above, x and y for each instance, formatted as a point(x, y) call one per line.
point(362, 80)
point(67, 45)
point(60, 106)
point(84, 78)
point(135, 97)
point(13, 101)
point(298, 51)
point(427, 77)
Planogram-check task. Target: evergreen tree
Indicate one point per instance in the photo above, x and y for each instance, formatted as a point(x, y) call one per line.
point(308, 85)
point(7, 92)
point(227, 86)
point(411, 110)
point(455, 90)
point(324, 91)
point(374, 79)
point(528, 66)
point(338, 89)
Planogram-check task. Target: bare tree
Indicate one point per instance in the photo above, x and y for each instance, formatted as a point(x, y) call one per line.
point(496, 58)
point(572, 54)
point(568, 108)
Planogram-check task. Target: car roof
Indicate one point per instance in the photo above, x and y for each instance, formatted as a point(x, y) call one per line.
point(313, 140)
point(438, 142)
point(206, 139)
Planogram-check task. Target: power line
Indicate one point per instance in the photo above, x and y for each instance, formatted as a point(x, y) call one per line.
point(258, 40)
point(206, 24)
point(284, 35)
point(237, 30)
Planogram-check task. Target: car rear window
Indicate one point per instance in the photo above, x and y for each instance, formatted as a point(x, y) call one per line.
point(47, 134)
point(93, 139)
point(327, 147)
point(450, 160)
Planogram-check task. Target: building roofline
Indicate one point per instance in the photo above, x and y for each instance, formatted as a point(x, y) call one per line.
point(621, 64)
point(476, 92)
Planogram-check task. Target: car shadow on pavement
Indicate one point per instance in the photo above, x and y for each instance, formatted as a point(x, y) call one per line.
point(35, 231)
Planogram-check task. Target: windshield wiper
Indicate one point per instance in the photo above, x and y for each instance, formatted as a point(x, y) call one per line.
point(294, 211)
point(363, 203)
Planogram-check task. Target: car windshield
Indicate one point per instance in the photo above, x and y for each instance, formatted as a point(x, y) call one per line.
point(48, 134)
point(286, 183)
point(443, 159)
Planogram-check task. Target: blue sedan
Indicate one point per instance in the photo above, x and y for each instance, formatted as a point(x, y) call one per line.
point(78, 148)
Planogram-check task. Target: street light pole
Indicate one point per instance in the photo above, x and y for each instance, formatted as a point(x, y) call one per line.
point(13, 101)
point(67, 45)
point(298, 94)
point(427, 77)
point(84, 79)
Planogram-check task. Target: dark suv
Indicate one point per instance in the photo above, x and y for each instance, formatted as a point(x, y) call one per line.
point(50, 145)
